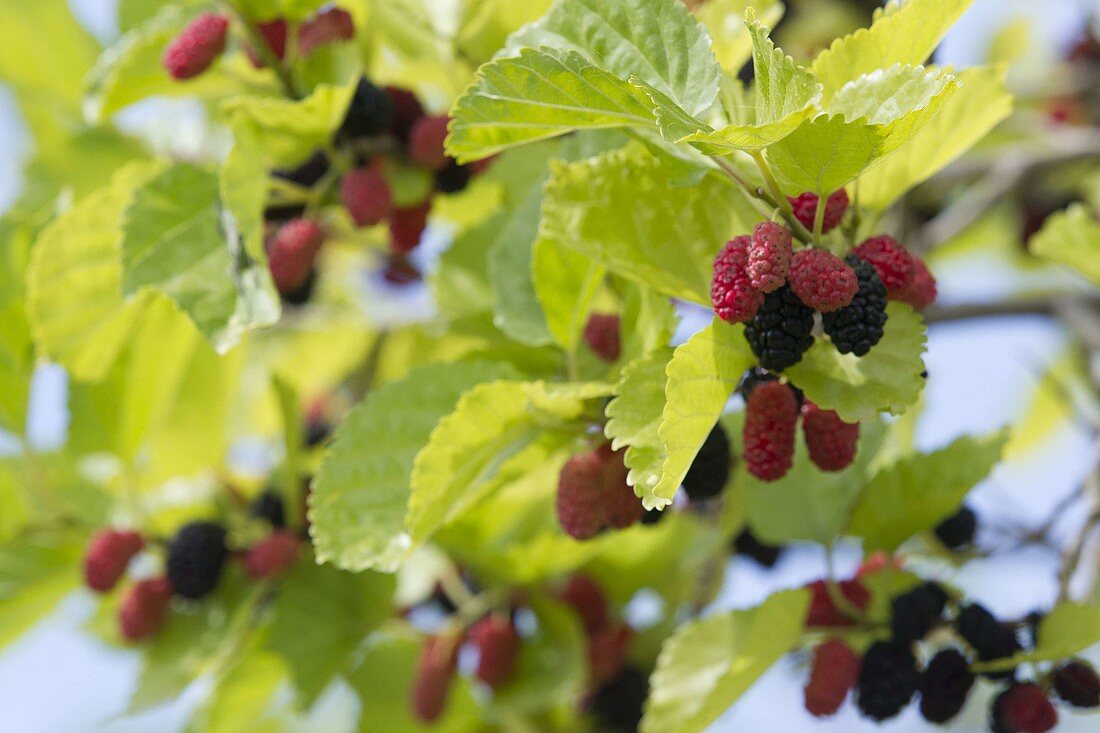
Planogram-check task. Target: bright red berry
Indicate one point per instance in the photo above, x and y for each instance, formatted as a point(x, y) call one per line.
point(334, 24)
point(274, 34)
point(771, 416)
point(731, 291)
point(831, 441)
point(1023, 708)
point(366, 195)
point(196, 47)
point(822, 280)
point(292, 251)
point(272, 556)
point(602, 335)
point(607, 651)
point(621, 507)
point(434, 671)
point(579, 500)
point(107, 556)
point(805, 209)
point(823, 612)
point(407, 226)
point(891, 261)
point(769, 256)
point(922, 291)
point(406, 111)
point(586, 598)
point(426, 142)
point(143, 608)
point(834, 671)
point(497, 644)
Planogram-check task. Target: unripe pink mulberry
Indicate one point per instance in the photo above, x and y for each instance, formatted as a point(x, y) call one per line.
point(805, 209)
point(891, 261)
point(822, 280)
point(366, 196)
point(107, 557)
point(769, 256)
point(771, 416)
point(195, 48)
point(831, 441)
point(922, 291)
point(732, 293)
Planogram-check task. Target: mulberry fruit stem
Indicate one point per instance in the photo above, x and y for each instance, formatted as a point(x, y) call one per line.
point(759, 194)
point(779, 200)
point(263, 50)
point(819, 218)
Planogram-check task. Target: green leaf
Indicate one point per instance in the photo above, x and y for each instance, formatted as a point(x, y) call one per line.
point(36, 572)
point(358, 503)
point(701, 377)
point(1069, 629)
point(920, 491)
point(242, 697)
point(552, 667)
point(621, 210)
point(566, 283)
point(540, 94)
point(825, 153)
point(1071, 237)
point(902, 34)
point(858, 388)
point(729, 36)
point(46, 51)
point(322, 615)
point(289, 9)
point(979, 103)
point(634, 417)
point(709, 663)
point(656, 40)
point(16, 349)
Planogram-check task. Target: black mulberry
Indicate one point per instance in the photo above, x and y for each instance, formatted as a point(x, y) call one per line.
point(887, 681)
point(856, 328)
point(915, 613)
point(369, 114)
point(618, 703)
point(782, 330)
point(750, 546)
point(944, 686)
point(711, 468)
point(958, 530)
point(269, 506)
point(196, 557)
point(989, 637)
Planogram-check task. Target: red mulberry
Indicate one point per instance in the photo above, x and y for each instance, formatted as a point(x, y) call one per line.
point(822, 280)
point(735, 299)
point(832, 443)
point(771, 417)
point(769, 256)
point(891, 261)
point(195, 48)
point(805, 209)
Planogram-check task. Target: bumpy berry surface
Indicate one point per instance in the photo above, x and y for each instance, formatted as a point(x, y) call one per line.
point(856, 328)
point(922, 291)
point(986, 635)
point(833, 672)
point(579, 501)
point(330, 26)
point(619, 702)
point(196, 556)
point(586, 598)
point(887, 681)
point(407, 226)
point(734, 298)
point(751, 546)
point(832, 443)
point(769, 256)
point(601, 333)
point(453, 177)
point(822, 280)
point(771, 418)
point(434, 671)
point(782, 330)
point(805, 209)
point(426, 142)
point(621, 508)
point(196, 47)
point(1076, 682)
point(957, 531)
point(1023, 708)
point(366, 195)
point(406, 111)
point(272, 556)
point(143, 608)
point(107, 556)
point(607, 651)
point(497, 644)
point(914, 613)
point(291, 253)
point(891, 261)
point(370, 113)
point(710, 470)
point(823, 613)
point(944, 686)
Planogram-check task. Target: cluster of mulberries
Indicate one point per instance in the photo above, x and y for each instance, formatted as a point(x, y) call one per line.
point(593, 494)
point(772, 411)
point(761, 281)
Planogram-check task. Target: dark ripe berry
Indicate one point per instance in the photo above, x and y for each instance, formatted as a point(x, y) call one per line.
point(1076, 682)
point(308, 173)
point(914, 613)
point(710, 470)
point(834, 671)
point(434, 672)
point(653, 516)
point(588, 600)
point(426, 142)
point(272, 556)
point(143, 608)
point(269, 506)
point(601, 333)
point(944, 686)
point(782, 330)
point(607, 651)
point(107, 557)
point(407, 226)
point(823, 613)
point(957, 531)
point(805, 209)
point(621, 507)
point(771, 419)
point(733, 296)
point(891, 261)
point(856, 328)
point(619, 702)
point(317, 432)
point(831, 442)
point(497, 643)
point(369, 114)
point(1022, 708)
point(753, 378)
point(453, 177)
point(887, 681)
point(989, 638)
point(750, 546)
point(330, 26)
point(197, 45)
point(196, 556)
point(769, 256)
point(406, 111)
